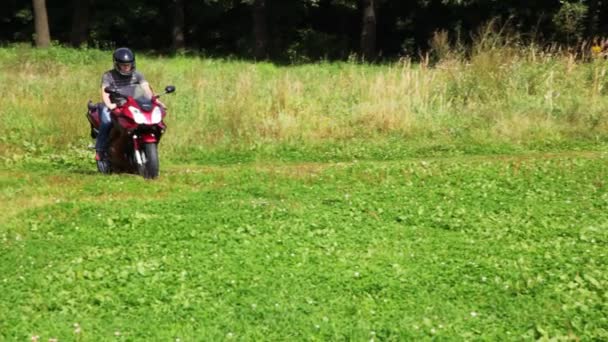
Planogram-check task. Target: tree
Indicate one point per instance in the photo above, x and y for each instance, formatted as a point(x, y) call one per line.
point(368, 29)
point(288, 29)
point(260, 29)
point(569, 20)
point(177, 34)
point(592, 17)
point(41, 23)
point(80, 22)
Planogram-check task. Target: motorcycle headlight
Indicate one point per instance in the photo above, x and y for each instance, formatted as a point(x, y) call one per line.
point(138, 116)
point(157, 115)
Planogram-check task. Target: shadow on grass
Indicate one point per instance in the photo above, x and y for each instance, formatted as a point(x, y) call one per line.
point(91, 171)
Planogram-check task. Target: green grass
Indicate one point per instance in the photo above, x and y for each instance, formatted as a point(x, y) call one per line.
point(456, 201)
point(500, 96)
point(486, 247)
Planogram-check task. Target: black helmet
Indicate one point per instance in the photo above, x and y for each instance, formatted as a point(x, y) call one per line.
point(123, 55)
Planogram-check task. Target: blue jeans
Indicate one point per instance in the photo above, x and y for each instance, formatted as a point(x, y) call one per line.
point(104, 129)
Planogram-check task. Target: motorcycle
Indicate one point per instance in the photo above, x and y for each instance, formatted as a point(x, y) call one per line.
point(136, 131)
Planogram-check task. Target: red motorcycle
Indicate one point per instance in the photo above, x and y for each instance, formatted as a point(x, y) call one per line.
point(136, 131)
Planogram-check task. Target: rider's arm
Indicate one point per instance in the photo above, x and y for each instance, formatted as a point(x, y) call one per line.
point(106, 99)
point(146, 86)
point(150, 93)
point(148, 89)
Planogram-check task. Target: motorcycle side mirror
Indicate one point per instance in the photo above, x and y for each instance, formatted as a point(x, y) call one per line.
point(169, 89)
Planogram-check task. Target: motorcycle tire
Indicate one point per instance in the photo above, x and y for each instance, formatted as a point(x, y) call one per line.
point(151, 166)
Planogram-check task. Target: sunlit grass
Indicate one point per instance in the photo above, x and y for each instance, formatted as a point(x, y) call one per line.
point(498, 95)
point(336, 201)
point(461, 248)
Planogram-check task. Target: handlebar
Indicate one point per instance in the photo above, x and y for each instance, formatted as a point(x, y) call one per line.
point(120, 99)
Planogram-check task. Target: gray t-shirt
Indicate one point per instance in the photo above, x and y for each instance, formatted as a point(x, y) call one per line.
point(126, 85)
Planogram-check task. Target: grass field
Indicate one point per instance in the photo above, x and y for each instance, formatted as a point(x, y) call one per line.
point(499, 98)
point(316, 202)
point(455, 248)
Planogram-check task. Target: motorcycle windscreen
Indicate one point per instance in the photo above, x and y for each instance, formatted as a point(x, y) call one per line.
point(139, 95)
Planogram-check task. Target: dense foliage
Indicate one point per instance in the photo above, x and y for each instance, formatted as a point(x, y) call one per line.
point(298, 29)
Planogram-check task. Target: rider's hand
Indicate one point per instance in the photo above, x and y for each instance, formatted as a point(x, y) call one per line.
point(161, 104)
point(112, 106)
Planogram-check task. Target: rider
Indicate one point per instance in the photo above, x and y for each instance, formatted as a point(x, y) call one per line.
point(124, 78)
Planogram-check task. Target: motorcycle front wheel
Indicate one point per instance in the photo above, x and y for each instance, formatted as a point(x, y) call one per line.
point(150, 168)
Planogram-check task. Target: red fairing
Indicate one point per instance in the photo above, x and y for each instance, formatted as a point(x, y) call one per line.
point(148, 138)
point(94, 118)
point(134, 136)
point(162, 109)
point(126, 122)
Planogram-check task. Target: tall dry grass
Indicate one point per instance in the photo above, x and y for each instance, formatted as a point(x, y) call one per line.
point(500, 91)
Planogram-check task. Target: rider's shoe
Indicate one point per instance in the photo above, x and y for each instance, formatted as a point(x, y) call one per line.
point(103, 164)
point(101, 155)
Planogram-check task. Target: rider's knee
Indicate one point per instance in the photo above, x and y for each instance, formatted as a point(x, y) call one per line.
point(105, 116)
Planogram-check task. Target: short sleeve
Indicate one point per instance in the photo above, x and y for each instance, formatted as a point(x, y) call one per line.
point(140, 77)
point(106, 80)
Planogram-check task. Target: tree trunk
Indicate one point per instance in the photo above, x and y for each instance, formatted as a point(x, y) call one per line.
point(177, 34)
point(41, 22)
point(592, 18)
point(80, 22)
point(260, 29)
point(368, 30)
